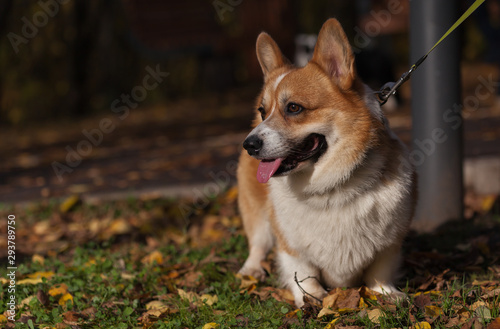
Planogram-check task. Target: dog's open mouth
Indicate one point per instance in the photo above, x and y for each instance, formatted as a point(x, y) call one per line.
point(311, 148)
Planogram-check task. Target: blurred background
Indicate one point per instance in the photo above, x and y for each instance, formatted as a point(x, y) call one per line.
point(110, 99)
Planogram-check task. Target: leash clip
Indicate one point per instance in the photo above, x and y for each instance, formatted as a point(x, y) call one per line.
point(390, 88)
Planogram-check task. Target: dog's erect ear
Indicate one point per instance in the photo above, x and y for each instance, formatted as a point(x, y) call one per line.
point(333, 54)
point(269, 54)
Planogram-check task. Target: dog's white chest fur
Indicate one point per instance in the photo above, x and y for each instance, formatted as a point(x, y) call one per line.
point(339, 232)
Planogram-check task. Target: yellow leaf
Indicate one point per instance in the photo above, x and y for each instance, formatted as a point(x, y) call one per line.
point(69, 203)
point(3, 318)
point(488, 202)
point(331, 324)
point(422, 325)
point(119, 226)
point(232, 194)
point(433, 311)
point(58, 289)
point(4, 280)
point(211, 325)
point(35, 278)
point(292, 314)
point(65, 298)
point(36, 258)
point(209, 299)
point(40, 275)
point(362, 303)
point(374, 315)
point(433, 293)
point(155, 256)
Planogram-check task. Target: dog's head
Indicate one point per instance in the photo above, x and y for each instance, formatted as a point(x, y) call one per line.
point(315, 116)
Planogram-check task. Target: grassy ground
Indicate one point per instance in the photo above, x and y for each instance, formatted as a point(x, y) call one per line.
point(142, 264)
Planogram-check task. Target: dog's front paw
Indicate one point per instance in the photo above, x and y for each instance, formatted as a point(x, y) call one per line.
point(391, 292)
point(256, 272)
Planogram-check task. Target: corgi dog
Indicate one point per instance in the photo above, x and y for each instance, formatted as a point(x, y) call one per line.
point(322, 175)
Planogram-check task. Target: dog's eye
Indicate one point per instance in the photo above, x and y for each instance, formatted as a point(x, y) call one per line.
point(262, 112)
point(294, 108)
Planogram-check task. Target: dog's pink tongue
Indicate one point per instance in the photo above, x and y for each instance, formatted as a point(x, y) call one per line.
point(267, 169)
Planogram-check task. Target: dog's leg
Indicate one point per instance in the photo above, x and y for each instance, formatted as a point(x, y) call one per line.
point(379, 276)
point(260, 240)
point(255, 210)
point(307, 276)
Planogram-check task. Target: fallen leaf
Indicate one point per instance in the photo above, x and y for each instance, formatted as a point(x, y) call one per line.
point(72, 318)
point(326, 311)
point(156, 308)
point(209, 299)
point(26, 301)
point(118, 226)
point(374, 315)
point(453, 322)
point(422, 300)
point(35, 278)
point(3, 318)
point(367, 293)
point(483, 312)
point(331, 324)
point(36, 258)
point(248, 282)
point(42, 297)
point(491, 294)
point(433, 311)
point(58, 289)
point(65, 298)
point(154, 256)
point(495, 324)
point(37, 275)
point(69, 203)
point(211, 325)
point(422, 325)
point(192, 297)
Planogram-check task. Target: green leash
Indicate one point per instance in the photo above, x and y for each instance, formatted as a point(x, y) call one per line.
point(390, 88)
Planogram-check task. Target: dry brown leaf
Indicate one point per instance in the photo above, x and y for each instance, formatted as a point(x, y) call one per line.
point(495, 324)
point(72, 318)
point(491, 294)
point(326, 311)
point(453, 322)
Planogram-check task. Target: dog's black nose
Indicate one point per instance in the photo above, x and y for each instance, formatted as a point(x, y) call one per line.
point(253, 144)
